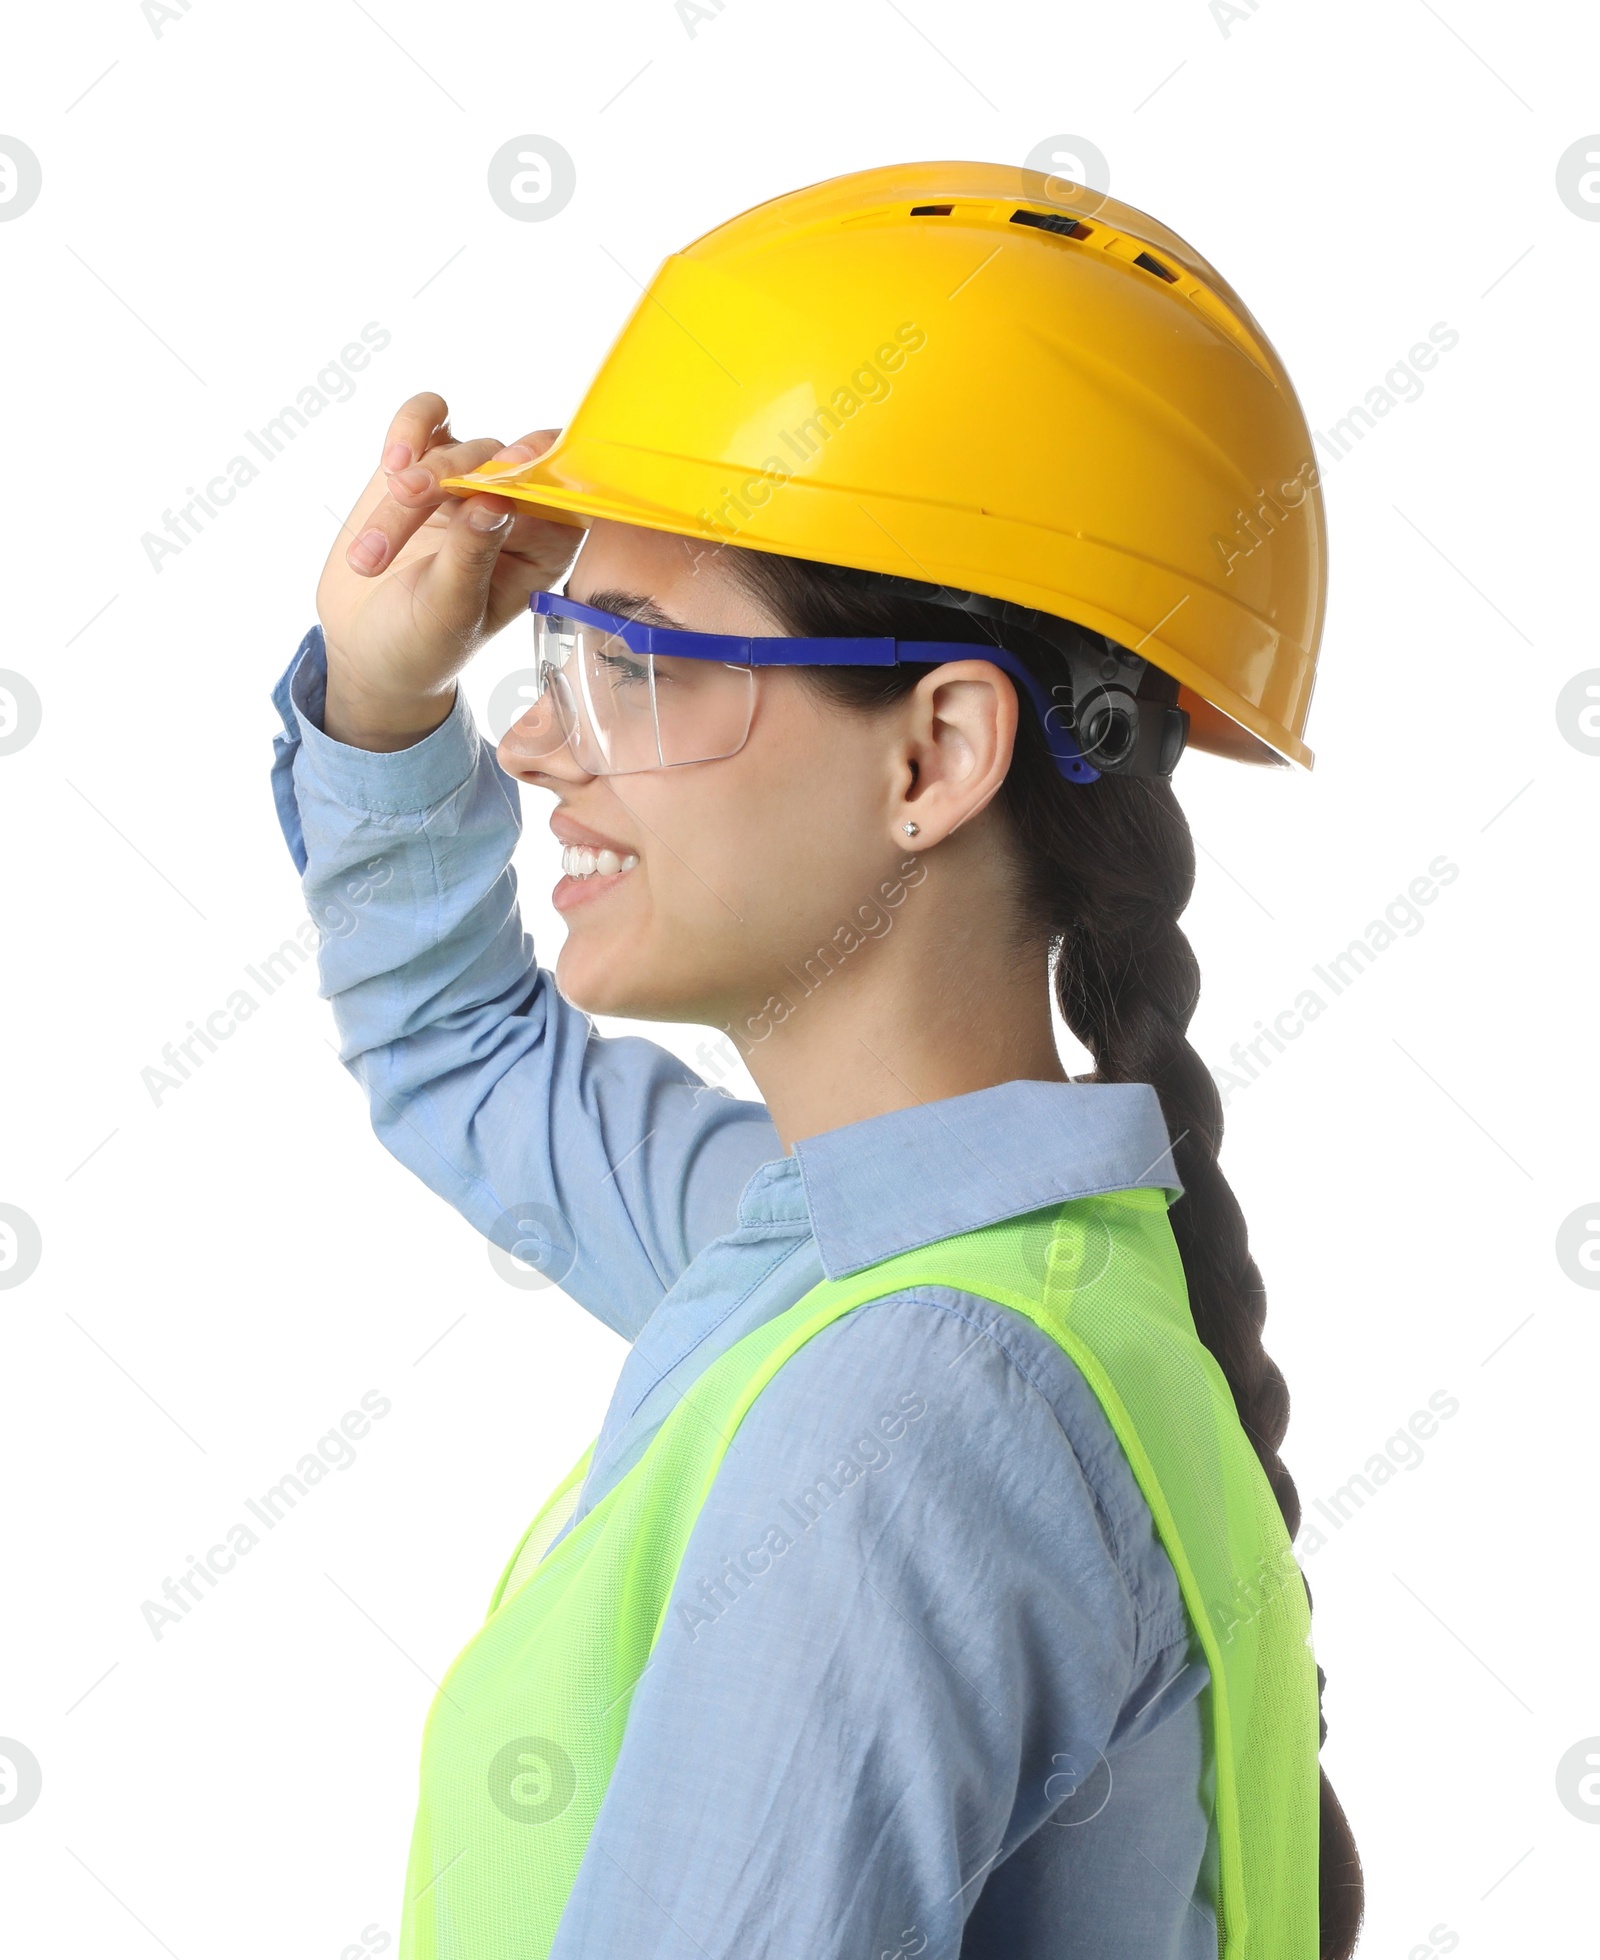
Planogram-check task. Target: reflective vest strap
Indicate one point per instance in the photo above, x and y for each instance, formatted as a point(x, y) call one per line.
point(552, 1515)
point(967, 1265)
point(1046, 1252)
point(529, 1723)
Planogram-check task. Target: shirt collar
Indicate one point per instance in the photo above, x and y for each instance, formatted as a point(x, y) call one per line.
point(894, 1182)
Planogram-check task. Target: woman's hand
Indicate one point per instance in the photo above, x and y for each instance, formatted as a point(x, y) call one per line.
point(419, 578)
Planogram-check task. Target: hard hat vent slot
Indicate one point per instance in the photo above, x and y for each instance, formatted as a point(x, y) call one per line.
point(931, 210)
point(1052, 221)
point(1155, 265)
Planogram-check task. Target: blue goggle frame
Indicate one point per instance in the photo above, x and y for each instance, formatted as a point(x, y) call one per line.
point(736, 650)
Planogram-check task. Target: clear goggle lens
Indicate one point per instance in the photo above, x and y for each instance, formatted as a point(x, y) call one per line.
point(621, 712)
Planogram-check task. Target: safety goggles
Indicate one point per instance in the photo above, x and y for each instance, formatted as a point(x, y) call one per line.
point(626, 697)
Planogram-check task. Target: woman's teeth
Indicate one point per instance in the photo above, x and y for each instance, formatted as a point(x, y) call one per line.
point(577, 861)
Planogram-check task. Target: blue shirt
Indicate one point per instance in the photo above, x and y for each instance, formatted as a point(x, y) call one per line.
point(927, 1685)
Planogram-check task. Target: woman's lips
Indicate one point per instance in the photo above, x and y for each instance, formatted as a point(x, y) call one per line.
point(566, 830)
point(570, 893)
point(589, 873)
point(591, 865)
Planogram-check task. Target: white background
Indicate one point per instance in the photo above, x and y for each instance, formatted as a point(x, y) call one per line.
point(225, 203)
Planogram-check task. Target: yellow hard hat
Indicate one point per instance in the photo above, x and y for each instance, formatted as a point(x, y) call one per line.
point(977, 376)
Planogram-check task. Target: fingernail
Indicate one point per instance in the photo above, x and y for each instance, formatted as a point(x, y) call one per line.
point(397, 456)
point(516, 452)
point(414, 482)
point(481, 518)
point(369, 551)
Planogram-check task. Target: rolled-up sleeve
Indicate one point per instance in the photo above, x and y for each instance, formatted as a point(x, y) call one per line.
point(604, 1160)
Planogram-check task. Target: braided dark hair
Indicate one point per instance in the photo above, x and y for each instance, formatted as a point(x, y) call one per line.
point(1109, 868)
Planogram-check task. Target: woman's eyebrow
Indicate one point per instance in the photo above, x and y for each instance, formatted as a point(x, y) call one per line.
point(636, 606)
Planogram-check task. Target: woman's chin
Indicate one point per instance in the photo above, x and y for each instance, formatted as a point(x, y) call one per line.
point(600, 982)
point(586, 983)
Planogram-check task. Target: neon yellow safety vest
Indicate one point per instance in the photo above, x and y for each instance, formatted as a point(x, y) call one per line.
point(525, 1730)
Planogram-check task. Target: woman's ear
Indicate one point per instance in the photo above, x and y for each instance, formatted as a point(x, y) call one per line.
point(959, 731)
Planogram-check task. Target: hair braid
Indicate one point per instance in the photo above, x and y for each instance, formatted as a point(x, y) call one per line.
point(1127, 982)
point(1113, 871)
point(1109, 869)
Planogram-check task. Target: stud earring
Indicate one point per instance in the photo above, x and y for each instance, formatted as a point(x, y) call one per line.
point(910, 829)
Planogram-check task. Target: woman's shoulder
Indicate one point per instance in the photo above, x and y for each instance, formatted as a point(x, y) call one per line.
point(939, 1416)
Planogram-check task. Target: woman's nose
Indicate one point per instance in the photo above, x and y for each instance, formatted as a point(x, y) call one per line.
point(535, 745)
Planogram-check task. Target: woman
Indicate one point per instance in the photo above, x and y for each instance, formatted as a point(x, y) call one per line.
point(928, 1588)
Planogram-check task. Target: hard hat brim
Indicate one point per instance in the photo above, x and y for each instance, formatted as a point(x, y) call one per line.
point(569, 485)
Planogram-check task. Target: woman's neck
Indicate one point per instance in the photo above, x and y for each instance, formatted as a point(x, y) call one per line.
point(941, 1005)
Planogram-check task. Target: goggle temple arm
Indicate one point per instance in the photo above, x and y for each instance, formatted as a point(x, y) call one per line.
point(1122, 708)
point(1055, 718)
